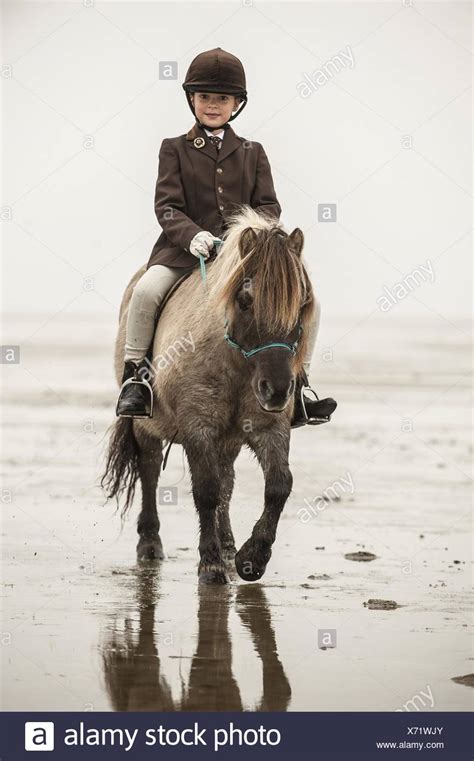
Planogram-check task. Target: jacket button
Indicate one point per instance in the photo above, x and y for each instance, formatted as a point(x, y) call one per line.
point(220, 189)
point(219, 169)
point(221, 207)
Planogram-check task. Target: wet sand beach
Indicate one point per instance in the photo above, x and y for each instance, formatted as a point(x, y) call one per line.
point(85, 628)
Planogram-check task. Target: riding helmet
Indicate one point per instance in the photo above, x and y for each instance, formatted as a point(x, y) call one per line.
point(218, 71)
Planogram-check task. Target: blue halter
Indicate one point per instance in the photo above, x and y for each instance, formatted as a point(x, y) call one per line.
point(273, 344)
point(292, 347)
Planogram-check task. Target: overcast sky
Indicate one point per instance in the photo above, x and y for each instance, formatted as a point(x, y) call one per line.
point(365, 107)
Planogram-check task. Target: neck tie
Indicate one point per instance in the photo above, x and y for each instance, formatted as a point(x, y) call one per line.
point(216, 141)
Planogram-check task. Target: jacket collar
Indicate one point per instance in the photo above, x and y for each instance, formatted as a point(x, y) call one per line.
point(230, 143)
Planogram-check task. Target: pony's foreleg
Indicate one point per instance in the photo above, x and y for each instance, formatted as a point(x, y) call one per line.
point(227, 476)
point(272, 452)
point(203, 463)
point(150, 457)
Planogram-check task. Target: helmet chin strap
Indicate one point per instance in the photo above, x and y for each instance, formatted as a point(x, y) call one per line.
point(226, 125)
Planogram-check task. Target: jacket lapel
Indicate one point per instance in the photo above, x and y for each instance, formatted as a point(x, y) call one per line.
point(229, 144)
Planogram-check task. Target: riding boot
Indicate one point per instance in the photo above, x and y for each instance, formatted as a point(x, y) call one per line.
point(136, 394)
point(310, 411)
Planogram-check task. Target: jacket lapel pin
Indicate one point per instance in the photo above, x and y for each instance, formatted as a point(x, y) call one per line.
point(199, 142)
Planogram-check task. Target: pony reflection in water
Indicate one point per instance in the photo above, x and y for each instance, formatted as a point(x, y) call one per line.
point(132, 660)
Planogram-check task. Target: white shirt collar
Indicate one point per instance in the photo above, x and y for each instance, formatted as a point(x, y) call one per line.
point(210, 132)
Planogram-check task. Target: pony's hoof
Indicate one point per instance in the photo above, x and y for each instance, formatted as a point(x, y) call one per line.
point(213, 574)
point(150, 549)
point(251, 563)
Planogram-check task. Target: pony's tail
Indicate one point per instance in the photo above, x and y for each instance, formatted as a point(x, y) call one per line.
point(121, 469)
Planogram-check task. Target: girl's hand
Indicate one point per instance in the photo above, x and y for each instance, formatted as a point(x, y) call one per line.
point(202, 244)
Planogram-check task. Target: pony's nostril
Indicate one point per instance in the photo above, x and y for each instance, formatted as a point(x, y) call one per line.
point(265, 388)
point(291, 387)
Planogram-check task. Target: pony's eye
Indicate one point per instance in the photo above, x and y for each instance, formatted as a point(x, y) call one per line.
point(244, 300)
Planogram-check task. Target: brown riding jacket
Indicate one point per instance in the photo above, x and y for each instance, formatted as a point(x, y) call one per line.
point(197, 188)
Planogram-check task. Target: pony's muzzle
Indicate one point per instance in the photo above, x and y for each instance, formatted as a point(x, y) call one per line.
point(274, 397)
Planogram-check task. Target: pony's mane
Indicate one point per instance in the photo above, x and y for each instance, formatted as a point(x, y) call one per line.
point(280, 283)
point(229, 253)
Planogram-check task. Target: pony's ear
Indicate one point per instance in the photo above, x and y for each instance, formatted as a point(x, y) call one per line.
point(296, 241)
point(247, 241)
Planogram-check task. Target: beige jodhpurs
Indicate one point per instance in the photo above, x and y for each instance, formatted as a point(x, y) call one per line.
point(147, 296)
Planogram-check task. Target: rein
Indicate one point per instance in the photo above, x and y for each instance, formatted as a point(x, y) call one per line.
point(292, 347)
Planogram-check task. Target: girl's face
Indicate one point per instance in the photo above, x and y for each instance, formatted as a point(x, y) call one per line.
point(213, 108)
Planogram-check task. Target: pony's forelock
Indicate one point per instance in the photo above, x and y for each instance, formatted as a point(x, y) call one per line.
point(278, 275)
